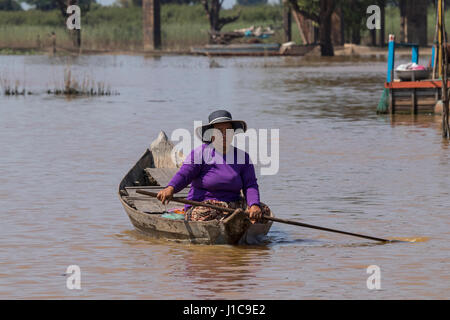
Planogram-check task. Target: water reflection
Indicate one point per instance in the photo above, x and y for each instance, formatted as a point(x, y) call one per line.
point(222, 269)
point(420, 121)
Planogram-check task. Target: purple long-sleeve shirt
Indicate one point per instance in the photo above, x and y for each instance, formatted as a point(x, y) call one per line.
point(216, 176)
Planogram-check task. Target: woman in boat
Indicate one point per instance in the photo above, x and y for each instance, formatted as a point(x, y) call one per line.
point(217, 172)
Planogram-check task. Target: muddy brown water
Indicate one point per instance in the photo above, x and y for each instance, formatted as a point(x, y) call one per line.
point(341, 166)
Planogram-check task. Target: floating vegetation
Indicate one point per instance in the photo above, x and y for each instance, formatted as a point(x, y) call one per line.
point(73, 86)
point(70, 86)
point(15, 89)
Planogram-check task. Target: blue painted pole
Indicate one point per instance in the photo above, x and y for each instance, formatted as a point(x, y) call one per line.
point(391, 58)
point(415, 54)
point(433, 56)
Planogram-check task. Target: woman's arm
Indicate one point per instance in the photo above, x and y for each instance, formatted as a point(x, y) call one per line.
point(251, 190)
point(184, 176)
point(188, 172)
point(250, 185)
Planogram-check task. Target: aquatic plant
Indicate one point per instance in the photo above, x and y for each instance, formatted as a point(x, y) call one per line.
point(12, 88)
point(71, 85)
point(84, 86)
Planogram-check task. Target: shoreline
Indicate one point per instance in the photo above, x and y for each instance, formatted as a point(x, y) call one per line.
point(348, 50)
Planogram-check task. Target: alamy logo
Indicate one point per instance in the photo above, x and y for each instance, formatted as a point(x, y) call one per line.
point(263, 148)
point(374, 280)
point(74, 20)
point(374, 20)
point(74, 279)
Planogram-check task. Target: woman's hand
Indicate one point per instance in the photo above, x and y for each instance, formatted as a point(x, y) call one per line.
point(165, 195)
point(254, 213)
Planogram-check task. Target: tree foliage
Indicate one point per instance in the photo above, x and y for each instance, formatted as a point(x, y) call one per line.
point(46, 5)
point(251, 2)
point(138, 3)
point(10, 5)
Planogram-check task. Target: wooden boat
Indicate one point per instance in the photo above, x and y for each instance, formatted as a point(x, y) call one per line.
point(413, 75)
point(253, 49)
point(152, 172)
point(239, 49)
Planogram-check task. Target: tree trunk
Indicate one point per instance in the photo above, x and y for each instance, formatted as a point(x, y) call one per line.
point(383, 23)
point(336, 28)
point(356, 34)
point(326, 46)
point(373, 37)
point(323, 18)
point(287, 22)
point(416, 21)
point(212, 9)
point(342, 26)
point(326, 11)
point(74, 34)
point(214, 16)
point(403, 20)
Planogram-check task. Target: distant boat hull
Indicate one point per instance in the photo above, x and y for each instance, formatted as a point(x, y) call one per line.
point(252, 49)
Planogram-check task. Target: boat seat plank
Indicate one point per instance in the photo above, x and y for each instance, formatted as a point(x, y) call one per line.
point(152, 206)
point(132, 191)
point(149, 204)
point(161, 175)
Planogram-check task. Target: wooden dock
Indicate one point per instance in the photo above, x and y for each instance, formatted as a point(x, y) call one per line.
point(411, 97)
point(414, 97)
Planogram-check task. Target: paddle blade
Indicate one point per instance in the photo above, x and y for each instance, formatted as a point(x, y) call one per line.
point(408, 239)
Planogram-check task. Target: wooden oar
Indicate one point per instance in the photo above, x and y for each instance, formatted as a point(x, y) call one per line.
point(295, 223)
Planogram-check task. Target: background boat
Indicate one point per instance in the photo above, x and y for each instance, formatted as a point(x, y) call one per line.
point(239, 49)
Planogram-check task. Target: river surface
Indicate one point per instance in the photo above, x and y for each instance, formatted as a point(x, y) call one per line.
point(341, 166)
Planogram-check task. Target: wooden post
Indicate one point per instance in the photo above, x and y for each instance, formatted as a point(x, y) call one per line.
point(416, 21)
point(391, 59)
point(287, 21)
point(373, 36)
point(53, 38)
point(440, 57)
point(433, 61)
point(444, 70)
point(413, 100)
point(390, 72)
point(151, 24)
point(301, 21)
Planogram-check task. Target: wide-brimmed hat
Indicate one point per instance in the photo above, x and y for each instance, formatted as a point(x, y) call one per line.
point(218, 116)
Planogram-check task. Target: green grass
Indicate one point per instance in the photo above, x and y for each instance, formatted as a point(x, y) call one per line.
point(26, 36)
point(114, 28)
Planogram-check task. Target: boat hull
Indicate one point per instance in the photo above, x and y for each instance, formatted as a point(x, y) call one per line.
point(146, 213)
point(254, 49)
point(236, 231)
